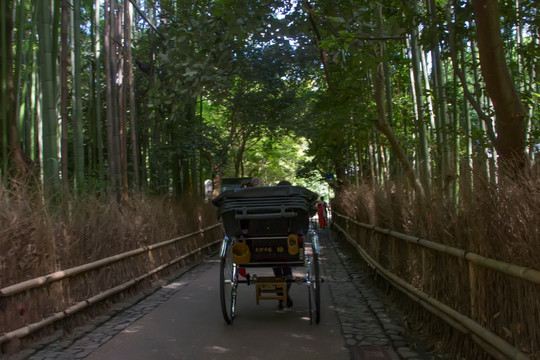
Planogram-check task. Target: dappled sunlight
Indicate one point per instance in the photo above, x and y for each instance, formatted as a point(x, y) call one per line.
point(217, 349)
point(133, 329)
point(208, 285)
point(302, 336)
point(174, 285)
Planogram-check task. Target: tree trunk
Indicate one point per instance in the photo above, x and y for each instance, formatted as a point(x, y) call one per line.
point(48, 102)
point(441, 116)
point(128, 74)
point(13, 162)
point(239, 159)
point(509, 111)
point(77, 112)
point(122, 101)
point(22, 79)
point(423, 152)
point(20, 90)
point(388, 132)
point(467, 173)
point(33, 108)
point(64, 92)
point(111, 93)
point(186, 176)
point(97, 102)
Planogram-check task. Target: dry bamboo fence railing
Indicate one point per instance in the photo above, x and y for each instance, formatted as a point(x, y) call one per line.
point(64, 274)
point(490, 342)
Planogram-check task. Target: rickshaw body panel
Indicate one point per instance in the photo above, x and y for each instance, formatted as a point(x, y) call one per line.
point(264, 217)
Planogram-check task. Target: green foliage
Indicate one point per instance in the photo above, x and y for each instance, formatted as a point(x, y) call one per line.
point(232, 83)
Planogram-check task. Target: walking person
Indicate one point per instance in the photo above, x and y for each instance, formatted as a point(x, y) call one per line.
point(322, 213)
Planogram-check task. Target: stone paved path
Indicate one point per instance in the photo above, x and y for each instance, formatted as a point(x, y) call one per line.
point(366, 324)
point(364, 317)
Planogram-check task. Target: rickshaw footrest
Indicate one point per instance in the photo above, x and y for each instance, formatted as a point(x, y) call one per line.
point(277, 286)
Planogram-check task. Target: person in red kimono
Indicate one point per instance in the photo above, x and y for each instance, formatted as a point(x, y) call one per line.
point(321, 213)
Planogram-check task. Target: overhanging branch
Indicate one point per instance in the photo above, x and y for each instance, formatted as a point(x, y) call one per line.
point(470, 98)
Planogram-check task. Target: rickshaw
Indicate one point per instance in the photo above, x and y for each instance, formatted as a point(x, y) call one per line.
point(268, 227)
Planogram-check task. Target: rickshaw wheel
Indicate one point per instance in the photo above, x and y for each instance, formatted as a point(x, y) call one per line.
point(228, 286)
point(316, 288)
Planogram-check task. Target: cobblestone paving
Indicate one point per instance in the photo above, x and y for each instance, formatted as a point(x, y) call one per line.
point(364, 317)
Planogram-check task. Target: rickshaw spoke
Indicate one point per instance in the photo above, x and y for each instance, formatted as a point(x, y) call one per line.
point(316, 289)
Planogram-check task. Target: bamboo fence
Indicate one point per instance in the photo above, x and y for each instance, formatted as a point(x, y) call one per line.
point(43, 281)
point(489, 341)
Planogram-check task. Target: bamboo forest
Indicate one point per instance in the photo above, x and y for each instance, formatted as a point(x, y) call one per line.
point(120, 117)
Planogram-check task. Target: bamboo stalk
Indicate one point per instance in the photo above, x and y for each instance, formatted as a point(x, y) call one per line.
point(3, 94)
point(477, 331)
point(522, 272)
point(472, 289)
point(59, 275)
point(488, 348)
point(424, 268)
